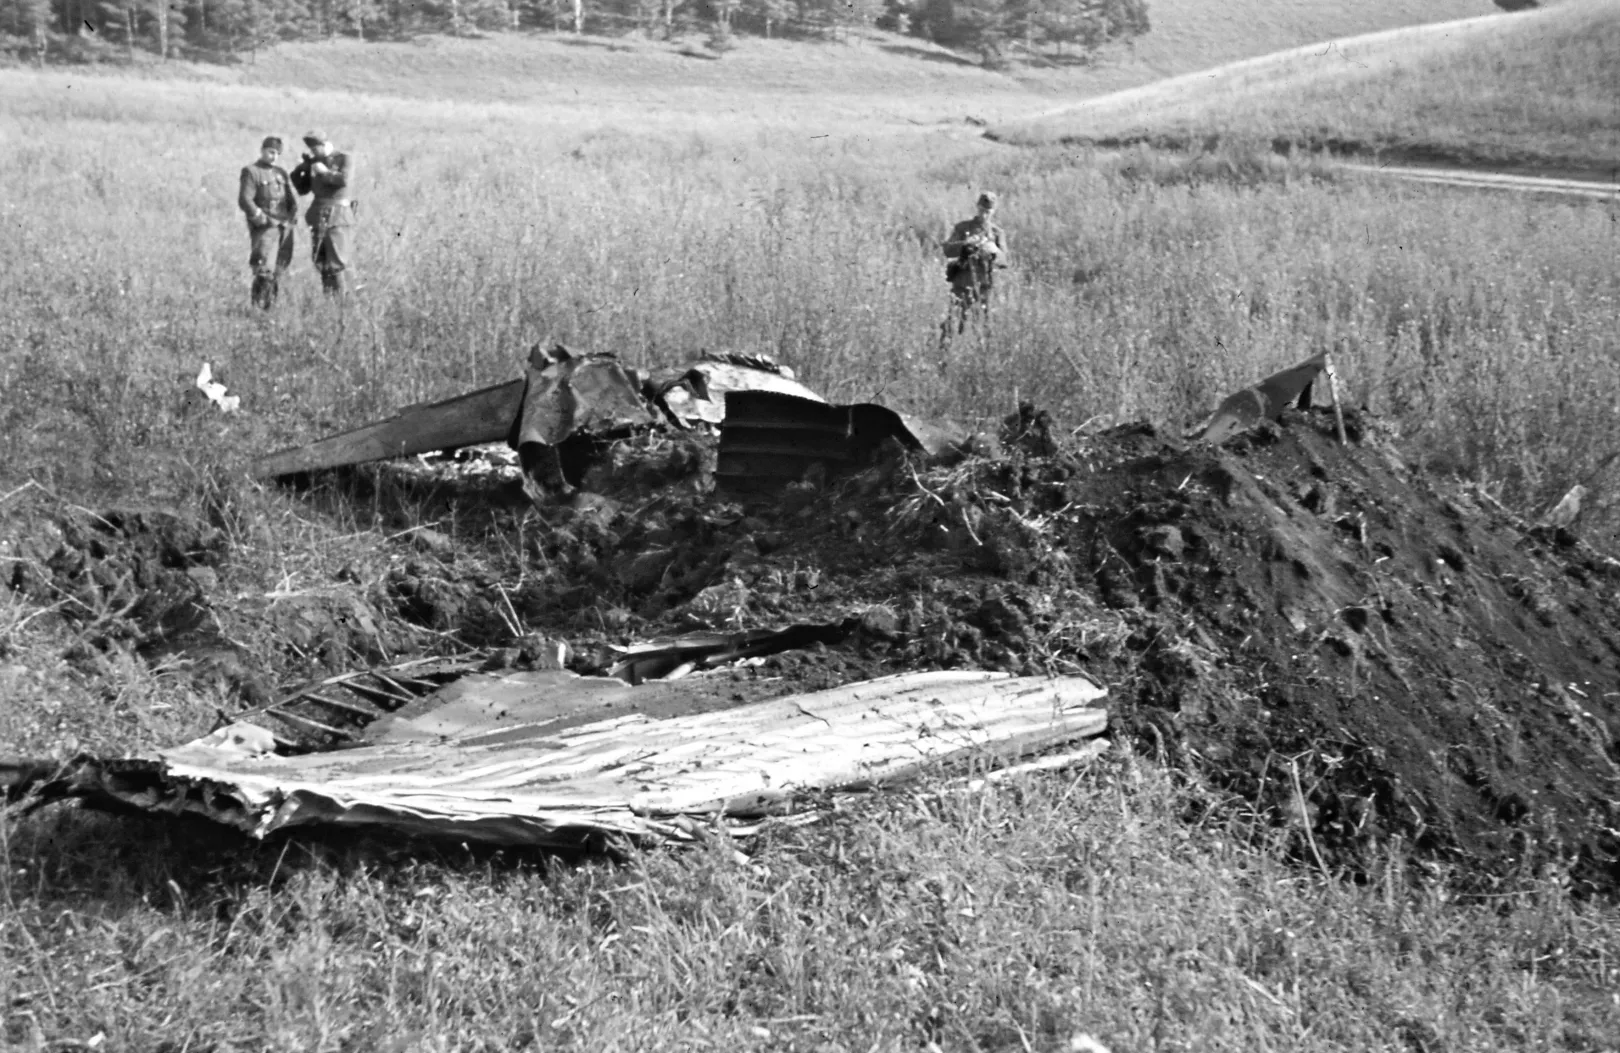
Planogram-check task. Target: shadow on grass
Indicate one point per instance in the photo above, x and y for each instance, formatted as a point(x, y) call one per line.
point(68, 853)
point(468, 508)
point(945, 59)
point(1065, 60)
point(588, 42)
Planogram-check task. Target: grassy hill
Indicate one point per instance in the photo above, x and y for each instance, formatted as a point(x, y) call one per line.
point(1196, 34)
point(865, 74)
point(1535, 87)
point(1187, 35)
point(879, 77)
point(1191, 35)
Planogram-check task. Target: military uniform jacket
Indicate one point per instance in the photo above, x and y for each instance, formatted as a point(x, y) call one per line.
point(972, 231)
point(332, 206)
point(266, 195)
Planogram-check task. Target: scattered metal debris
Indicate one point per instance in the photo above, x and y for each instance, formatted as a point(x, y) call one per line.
point(672, 659)
point(491, 771)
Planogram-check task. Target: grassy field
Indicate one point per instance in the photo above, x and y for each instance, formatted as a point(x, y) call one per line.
point(1145, 286)
point(730, 211)
point(1032, 917)
point(1536, 88)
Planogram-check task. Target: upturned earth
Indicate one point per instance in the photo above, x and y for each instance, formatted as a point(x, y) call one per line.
point(1365, 656)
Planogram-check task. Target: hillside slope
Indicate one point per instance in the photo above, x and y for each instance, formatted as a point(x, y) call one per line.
point(881, 78)
point(1533, 87)
point(1193, 35)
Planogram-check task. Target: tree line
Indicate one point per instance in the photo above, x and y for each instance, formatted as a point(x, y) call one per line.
point(996, 30)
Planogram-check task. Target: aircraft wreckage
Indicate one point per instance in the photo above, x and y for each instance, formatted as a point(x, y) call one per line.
point(772, 428)
point(552, 758)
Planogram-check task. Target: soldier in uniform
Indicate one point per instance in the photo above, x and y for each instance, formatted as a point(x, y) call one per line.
point(267, 200)
point(973, 252)
point(327, 174)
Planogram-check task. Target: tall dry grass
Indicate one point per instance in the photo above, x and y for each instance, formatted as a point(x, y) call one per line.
point(1143, 287)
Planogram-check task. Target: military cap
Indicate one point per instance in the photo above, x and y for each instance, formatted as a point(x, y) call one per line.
point(269, 141)
point(315, 137)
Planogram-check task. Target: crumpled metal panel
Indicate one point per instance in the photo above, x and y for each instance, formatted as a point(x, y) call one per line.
point(1263, 401)
point(572, 394)
point(698, 393)
point(533, 775)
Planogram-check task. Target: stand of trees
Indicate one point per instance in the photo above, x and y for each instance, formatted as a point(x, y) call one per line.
point(997, 30)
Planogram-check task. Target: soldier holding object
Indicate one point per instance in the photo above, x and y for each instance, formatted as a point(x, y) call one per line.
point(976, 248)
point(328, 174)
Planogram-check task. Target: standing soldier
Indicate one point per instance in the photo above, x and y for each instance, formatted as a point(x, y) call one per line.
point(267, 199)
point(327, 174)
point(974, 250)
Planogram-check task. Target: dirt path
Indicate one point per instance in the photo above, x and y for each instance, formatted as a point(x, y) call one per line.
point(1591, 187)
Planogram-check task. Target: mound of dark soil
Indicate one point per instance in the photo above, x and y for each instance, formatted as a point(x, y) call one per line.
point(1369, 655)
point(1317, 628)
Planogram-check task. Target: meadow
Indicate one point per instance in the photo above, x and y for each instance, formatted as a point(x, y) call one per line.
point(728, 213)
point(1145, 286)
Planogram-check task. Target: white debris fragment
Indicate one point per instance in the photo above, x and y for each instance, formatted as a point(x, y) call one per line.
point(240, 737)
point(215, 391)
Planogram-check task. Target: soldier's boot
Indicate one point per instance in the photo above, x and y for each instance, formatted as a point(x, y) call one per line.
point(332, 283)
point(264, 291)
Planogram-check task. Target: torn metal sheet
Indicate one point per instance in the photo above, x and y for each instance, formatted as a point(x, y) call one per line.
point(537, 780)
point(574, 404)
point(1263, 401)
point(769, 438)
point(697, 393)
point(480, 416)
point(571, 393)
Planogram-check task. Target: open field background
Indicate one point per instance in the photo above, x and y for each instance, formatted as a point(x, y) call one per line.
point(660, 221)
point(736, 211)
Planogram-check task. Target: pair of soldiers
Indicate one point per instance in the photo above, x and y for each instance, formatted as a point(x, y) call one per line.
point(976, 248)
point(269, 199)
